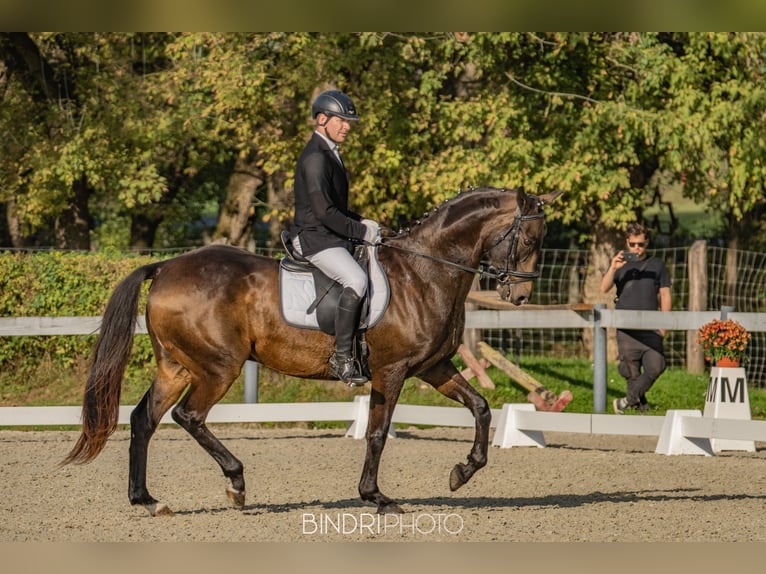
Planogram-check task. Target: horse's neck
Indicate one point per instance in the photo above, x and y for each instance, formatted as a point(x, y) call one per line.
point(456, 234)
point(459, 231)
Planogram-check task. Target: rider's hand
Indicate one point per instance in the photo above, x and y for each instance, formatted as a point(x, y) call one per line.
point(372, 235)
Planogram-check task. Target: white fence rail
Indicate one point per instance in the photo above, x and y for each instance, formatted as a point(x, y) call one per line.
point(42, 326)
point(598, 319)
point(475, 319)
point(678, 432)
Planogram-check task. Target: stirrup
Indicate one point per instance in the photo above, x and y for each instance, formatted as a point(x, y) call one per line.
point(345, 370)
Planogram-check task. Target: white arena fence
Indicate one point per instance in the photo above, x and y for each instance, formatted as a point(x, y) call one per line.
point(679, 432)
point(597, 320)
point(516, 425)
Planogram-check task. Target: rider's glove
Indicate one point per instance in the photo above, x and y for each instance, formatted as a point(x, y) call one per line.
point(372, 235)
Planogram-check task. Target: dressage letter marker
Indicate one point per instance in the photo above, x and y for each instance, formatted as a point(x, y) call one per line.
point(727, 397)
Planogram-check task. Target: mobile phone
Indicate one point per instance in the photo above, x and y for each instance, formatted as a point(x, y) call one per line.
point(629, 256)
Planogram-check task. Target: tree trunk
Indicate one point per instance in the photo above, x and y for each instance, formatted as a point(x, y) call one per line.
point(280, 201)
point(698, 291)
point(605, 244)
point(15, 236)
point(235, 222)
point(23, 57)
point(143, 230)
point(72, 227)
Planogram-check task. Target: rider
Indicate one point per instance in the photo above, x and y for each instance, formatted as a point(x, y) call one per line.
point(324, 227)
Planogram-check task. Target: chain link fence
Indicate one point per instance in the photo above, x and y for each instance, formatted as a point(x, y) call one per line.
point(734, 278)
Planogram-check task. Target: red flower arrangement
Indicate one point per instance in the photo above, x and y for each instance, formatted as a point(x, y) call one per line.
point(722, 339)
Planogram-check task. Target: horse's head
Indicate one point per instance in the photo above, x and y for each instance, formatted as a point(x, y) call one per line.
point(514, 253)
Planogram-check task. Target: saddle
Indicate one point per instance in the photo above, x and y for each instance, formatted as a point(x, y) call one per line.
point(308, 298)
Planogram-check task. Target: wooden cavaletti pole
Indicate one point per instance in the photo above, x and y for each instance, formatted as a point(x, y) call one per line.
point(475, 367)
point(541, 397)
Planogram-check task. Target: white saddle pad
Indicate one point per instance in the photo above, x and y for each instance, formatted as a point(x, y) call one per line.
point(297, 293)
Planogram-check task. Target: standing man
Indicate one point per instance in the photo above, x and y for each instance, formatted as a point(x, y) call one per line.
point(324, 228)
point(639, 280)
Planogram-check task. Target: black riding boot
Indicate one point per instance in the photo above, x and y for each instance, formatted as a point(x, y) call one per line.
point(342, 364)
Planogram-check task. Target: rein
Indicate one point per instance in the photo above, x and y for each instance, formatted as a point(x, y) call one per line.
point(440, 260)
point(504, 277)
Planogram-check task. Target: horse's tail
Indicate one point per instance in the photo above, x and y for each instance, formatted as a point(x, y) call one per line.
point(101, 402)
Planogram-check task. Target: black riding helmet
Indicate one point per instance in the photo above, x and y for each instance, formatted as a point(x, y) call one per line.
point(334, 103)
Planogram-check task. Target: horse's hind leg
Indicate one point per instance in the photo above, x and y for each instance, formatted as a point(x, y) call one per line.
point(167, 387)
point(445, 378)
point(190, 414)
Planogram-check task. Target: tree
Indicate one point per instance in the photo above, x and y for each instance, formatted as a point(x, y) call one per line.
point(95, 137)
point(158, 129)
point(713, 127)
point(50, 97)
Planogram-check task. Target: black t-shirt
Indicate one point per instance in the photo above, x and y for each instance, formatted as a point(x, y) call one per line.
point(638, 283)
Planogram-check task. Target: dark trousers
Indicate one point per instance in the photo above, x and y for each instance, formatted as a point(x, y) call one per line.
point(642, 361)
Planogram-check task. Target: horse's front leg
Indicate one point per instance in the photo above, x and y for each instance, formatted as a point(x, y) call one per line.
point(446, 379)
point(381, 411)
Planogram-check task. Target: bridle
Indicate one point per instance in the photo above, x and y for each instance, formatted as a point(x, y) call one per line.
point(504, 277)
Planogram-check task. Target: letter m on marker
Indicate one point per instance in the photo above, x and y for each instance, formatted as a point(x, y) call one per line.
point(712, 389)
point(736, 395)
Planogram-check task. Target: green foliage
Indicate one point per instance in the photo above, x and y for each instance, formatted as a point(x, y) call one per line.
point(675, 389)
point(59, 284)
point(153, 122)
point(715, 91)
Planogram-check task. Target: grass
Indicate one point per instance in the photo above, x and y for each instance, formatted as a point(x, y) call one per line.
point(675, 389)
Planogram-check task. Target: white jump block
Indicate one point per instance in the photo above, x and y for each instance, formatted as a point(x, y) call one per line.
point(672, 439)
point(357, 428)
point(507, 433)
point(727, 398)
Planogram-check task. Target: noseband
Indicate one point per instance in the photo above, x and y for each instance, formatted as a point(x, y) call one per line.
point(506, 276)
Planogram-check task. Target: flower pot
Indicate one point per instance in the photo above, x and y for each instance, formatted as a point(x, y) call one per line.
point(727, 362)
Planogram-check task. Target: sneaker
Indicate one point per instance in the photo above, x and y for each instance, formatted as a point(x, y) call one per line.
point(620, 405)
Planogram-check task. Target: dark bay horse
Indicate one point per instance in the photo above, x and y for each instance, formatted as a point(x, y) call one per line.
point(211, 309)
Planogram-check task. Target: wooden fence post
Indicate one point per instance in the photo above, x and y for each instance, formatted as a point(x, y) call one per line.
point(697, 260)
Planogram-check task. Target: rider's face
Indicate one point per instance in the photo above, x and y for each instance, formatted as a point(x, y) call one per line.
point(335, 128)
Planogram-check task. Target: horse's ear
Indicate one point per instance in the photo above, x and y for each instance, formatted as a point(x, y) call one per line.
point(548, 197)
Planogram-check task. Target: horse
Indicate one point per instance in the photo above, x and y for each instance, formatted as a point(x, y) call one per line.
point(211, 309)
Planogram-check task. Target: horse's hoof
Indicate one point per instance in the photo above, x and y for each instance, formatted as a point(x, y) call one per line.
point(159, 509)
point(389, 507)
point(237, 497)
point(457, 477)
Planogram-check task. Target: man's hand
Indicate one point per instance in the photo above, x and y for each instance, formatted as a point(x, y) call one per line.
point(618, 261)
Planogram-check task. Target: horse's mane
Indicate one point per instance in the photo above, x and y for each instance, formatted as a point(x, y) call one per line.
point(406, 228)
